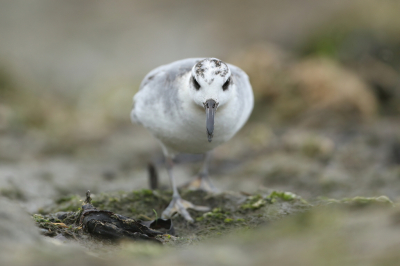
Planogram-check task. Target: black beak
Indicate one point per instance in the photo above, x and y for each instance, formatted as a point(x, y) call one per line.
point(211, 108)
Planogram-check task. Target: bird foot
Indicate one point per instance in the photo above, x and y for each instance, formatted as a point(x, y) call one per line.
point(201, 182)
point(179, 205)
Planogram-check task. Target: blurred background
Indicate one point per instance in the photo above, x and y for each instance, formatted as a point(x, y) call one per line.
point(325, 76)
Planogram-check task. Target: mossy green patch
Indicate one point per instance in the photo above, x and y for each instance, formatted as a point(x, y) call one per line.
point(229, 211)
point(67, 204)
point(362, 201)
point(254, 202)
point(286, 196)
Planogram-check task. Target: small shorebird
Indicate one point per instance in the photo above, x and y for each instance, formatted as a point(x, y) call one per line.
point(178, 104)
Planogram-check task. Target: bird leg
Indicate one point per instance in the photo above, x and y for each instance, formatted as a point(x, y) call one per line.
point(202, 181)
point(177, 204)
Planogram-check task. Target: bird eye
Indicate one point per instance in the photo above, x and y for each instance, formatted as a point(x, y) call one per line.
point(195, 84)
point(226, 84)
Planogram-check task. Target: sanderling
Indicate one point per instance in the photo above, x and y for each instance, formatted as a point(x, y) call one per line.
point(178, 104)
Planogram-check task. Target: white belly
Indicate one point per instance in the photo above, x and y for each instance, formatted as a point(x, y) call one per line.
point(184, 131)
point(192, 135)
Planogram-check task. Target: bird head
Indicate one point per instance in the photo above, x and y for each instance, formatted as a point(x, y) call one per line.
point(210, 88)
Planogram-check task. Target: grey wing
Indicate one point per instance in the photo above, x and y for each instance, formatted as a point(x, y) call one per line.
point(170, 71)
point(244, 91)
point(160, 85)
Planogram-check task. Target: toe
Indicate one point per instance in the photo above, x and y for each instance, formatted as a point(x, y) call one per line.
point(178, 205)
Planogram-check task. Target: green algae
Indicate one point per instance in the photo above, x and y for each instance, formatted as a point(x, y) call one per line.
point(316, 233)
point(279, 218)
point(257, 201)
point(229, 211)
point(254, 202)
point(361, 201)
point(66, 204)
